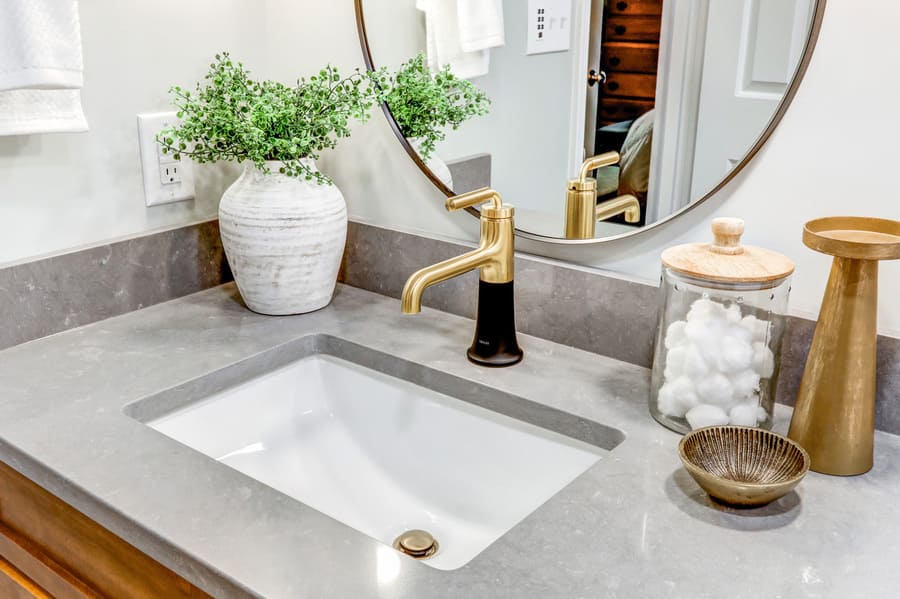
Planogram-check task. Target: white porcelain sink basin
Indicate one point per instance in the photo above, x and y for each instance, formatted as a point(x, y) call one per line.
point(384, 455)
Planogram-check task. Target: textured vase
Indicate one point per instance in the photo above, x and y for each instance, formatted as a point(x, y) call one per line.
point(435, 164)
point(284, 238)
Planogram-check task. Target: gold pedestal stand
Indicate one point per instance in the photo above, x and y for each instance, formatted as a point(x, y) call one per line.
point(834, 418)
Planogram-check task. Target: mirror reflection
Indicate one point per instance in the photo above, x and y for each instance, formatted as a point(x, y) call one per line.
point(604, 117)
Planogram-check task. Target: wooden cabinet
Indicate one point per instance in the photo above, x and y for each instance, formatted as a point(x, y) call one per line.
point(629, 56)
point(623, 109)
point(49, 549)
point(631, 29)
point(634, 7)
point(632, 85)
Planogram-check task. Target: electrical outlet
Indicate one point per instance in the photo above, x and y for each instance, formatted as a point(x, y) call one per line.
point(170, 174)
point(549, 26)
point(166, 179)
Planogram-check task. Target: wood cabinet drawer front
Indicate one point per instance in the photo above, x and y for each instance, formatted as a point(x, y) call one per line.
point(631, 85)
point(630, 56)
point(631, 29)
point(16, 585)
point(634, 7)
point(615, 109)
point(70, 556)
point(40, 569)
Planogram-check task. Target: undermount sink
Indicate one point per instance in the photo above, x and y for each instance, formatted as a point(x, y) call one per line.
point(380, 444)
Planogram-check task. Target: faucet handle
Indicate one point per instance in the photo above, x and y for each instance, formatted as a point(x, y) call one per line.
point(473, 198)
point(485, 195)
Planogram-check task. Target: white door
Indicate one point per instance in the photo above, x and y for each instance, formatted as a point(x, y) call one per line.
point(584, 56)
point(752, 50)
point(595, 41)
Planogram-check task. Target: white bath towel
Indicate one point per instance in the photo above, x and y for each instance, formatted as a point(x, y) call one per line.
point(480, 24)
point(449, 22)
point(40, 67)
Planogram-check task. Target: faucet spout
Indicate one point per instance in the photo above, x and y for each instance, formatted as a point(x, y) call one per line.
point(495, 341)
point(411, 299)
point(625, 204)
point(582, 210)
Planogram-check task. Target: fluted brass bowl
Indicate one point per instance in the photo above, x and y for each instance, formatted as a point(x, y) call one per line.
point(743, 466)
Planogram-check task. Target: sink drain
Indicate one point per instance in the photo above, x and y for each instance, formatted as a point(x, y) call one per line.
point(416, 543)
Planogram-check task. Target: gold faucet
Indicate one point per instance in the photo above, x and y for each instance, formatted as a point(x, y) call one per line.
point(495, 334)
point(582, 210)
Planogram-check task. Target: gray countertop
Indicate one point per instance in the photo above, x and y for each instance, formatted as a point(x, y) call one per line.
point(634, 525)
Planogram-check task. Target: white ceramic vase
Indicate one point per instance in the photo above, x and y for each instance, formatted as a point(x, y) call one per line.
point(434, 163)
point(284, 238)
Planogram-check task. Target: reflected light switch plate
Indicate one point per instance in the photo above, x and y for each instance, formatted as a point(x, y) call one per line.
point(549, 26)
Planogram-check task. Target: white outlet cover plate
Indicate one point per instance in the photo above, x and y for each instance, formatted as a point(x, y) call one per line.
point(155, 192)
point(549, 26)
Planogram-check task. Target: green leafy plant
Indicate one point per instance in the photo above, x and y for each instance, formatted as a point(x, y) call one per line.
point(230, 116)
point(424, 104)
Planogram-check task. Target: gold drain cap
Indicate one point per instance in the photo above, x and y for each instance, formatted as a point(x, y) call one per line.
point(416, 543)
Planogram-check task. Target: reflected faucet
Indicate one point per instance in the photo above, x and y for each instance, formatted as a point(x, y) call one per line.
point(495, 341)
point(582, 209)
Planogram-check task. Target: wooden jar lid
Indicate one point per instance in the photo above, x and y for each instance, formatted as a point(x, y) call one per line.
point(725, 260)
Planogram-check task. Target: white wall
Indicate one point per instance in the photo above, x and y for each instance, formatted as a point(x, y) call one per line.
point(64, 190)
point(834, 153)
point(527, 131)
point(536, 116)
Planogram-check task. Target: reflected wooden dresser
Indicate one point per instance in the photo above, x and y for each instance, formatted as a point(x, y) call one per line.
point(629, 56)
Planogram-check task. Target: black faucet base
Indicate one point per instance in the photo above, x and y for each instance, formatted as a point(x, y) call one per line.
point(495, 341)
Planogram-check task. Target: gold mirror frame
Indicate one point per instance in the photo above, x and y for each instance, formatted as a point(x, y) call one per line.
point(814, 29)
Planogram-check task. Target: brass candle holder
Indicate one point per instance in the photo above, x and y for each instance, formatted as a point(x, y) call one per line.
point(834, 418)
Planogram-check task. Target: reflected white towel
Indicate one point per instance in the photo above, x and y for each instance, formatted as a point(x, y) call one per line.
point(444, 43)
point(40, 67)
point(480, 24)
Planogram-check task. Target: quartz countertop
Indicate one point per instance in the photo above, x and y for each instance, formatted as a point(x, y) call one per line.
point(633, 525)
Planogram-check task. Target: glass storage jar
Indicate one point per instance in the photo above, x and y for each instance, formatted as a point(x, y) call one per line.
point(718, 348)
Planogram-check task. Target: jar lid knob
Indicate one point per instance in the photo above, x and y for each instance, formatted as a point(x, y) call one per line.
point(727, 236)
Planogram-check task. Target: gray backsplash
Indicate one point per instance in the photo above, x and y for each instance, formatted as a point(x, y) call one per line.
point(62, 292)
point(569, 305)
point(578, 307)
point(470, 173)
point(605, 315)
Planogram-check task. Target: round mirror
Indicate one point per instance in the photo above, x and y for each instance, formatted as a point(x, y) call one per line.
point(606, 117)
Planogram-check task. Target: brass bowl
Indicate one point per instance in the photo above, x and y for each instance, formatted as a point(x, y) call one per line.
point(742, 466)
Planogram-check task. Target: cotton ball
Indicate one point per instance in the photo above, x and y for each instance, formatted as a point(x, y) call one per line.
point(695, 365)
point(739, 331)
point(759, 329)
point(716, 389)
point(733, 313)
point(743, 414)
point(735, 354)
point(705, 415)
point(761, 414)
point(675, 334)
point(763, 360)
point(745, 383)
point(704, 309)
point(675, 359)
point(685, 393)
point(702, 330)
point(705, 334)
point(665, 401)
